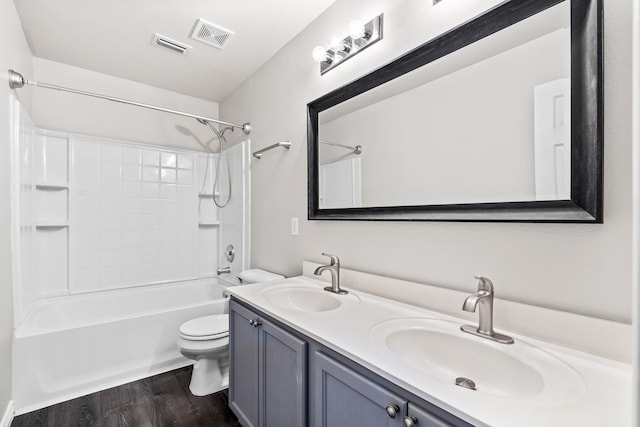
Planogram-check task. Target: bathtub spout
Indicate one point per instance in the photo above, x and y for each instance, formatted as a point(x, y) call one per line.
point(223, 270)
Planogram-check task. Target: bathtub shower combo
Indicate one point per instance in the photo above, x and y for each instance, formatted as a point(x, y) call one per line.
point(116, 245)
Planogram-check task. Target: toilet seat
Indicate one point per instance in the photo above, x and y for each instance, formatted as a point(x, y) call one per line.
point(205, 328)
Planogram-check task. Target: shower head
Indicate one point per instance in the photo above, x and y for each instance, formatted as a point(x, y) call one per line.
point(246, 127)
point(219, 134)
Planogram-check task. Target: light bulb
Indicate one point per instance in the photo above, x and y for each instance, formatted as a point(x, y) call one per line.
point(356, 29)
point(340, 45)
point(336, 43)
point(319, 54)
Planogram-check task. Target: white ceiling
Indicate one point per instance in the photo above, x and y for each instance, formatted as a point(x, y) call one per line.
point(114, 37)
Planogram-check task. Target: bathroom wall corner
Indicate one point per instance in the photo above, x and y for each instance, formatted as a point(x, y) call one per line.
point(7, 418)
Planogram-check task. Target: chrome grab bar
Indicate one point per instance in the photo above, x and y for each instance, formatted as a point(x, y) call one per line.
point(285, 144)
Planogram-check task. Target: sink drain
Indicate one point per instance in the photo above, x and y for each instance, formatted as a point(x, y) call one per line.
point(465, 383)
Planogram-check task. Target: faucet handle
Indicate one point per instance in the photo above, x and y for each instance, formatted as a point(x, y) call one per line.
point(484, 284)
point(334, 259)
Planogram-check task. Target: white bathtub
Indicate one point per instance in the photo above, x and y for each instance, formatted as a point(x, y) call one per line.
point(75, 345)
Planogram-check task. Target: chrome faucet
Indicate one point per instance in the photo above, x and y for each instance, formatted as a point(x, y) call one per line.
point(483, 299)
point(223, 270)
point(334, 268)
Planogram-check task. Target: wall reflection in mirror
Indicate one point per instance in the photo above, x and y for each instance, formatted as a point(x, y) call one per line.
point(490, 122)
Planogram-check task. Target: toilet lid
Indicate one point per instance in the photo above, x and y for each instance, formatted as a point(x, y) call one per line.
point(207, 326)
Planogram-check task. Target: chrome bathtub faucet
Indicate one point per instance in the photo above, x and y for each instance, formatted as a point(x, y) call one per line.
point(483, 299)
point(334, 268)
point(223, 270)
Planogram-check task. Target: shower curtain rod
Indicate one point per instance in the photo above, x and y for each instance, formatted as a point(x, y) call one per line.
point(16, 81)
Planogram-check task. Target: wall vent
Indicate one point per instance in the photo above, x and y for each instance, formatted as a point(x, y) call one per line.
point(167, 43)
point(211, 34)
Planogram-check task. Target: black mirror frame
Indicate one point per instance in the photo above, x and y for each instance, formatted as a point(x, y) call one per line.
point(587, 124)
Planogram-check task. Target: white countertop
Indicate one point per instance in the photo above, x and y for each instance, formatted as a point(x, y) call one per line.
point(603, 399)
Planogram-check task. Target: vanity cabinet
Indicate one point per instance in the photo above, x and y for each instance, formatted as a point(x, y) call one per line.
point(280, 377)
point(268, 372)
point(343, 395)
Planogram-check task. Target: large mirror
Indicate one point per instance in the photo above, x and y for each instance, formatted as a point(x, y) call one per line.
point(499, 119)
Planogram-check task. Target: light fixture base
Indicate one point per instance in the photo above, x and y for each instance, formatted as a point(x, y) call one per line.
point(372, 34)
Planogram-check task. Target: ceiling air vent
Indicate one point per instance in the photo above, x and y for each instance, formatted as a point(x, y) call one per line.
point(211, 34)
point(173, 45)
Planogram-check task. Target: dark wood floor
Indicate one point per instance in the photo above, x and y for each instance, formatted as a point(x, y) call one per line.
point(158, 401)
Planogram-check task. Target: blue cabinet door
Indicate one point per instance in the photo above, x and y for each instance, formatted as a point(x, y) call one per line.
point(268, 372)
point(342, 397)
point(283, 378)
point(243, 365)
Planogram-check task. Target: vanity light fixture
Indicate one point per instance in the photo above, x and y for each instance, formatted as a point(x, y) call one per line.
point(320, 54)
point(360, 37)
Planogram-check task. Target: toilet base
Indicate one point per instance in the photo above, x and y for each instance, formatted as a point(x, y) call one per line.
point(208, 376)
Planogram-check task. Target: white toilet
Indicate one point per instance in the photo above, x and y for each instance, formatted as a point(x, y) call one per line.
point(206, 340)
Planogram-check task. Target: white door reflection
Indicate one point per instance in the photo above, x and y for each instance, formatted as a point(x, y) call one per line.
point(552, 140)
point(340, 184)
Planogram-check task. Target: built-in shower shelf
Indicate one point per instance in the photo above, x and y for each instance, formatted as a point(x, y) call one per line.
point(52, 223)
point(52, 185)
point(208, 223)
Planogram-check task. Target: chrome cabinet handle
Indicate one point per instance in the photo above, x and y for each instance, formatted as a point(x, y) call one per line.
point(410, 421)
point(392, 410)
point(255, 322)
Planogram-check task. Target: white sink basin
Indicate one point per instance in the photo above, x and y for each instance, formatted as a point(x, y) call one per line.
point(439, 349)
point(307, 299)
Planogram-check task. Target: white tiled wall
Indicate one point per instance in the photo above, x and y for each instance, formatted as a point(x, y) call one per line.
point(100, 214)
point(51, 213)
point(51, 158)
point(208, 218)
point(135, 216)
point(234, 218)
point(24, 187)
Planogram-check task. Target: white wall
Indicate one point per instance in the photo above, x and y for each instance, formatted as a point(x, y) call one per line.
point(14, 54)
point(67, 112)
point(636, 214)
point(578, 268)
